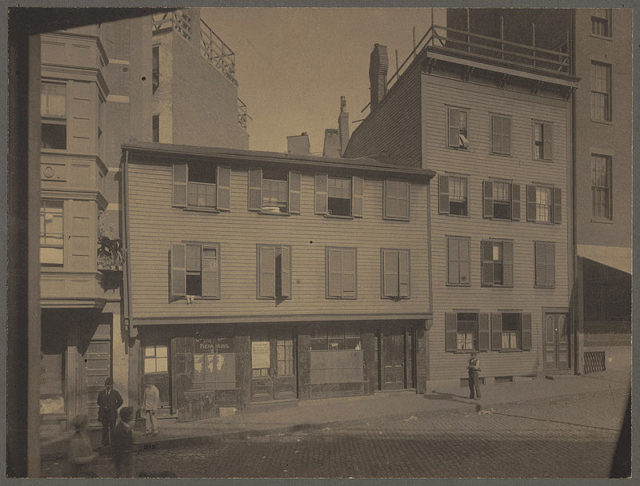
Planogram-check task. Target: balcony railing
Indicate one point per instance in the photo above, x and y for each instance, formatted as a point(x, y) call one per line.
point(180, 21)
point(243, 114)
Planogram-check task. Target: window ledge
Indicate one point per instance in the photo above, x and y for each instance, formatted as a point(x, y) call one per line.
point(395, 299)
point(458, 285)
point(201, 210)
point(542, 160)
point(272, 213)
point(329, 297)
point(604, 221)
point(337, 216)
point(469, 351)
point(541, 222)
point(500, 155)
point(390, 218)
point(456, 215)
point(603, 122)
point(511, 350)
point(547, 287)
point(458, 148)
point(602, 37)
point(497, 286)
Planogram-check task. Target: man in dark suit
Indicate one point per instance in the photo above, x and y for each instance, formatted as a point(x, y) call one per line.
point(109, 401)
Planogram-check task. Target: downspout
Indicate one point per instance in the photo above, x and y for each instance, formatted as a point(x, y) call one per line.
point(131, 333)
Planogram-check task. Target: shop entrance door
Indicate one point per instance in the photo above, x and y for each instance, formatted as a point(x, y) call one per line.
point(556, 341)
point(273, 365)
point(396, 351)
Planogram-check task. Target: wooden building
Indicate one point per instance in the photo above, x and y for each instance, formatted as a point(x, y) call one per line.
point(256, 276)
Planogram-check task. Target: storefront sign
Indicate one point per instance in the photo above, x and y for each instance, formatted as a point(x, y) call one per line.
point(260, 354)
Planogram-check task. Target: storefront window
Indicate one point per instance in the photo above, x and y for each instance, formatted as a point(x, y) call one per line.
point(334, 339)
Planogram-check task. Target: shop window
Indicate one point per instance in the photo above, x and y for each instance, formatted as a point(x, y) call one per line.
point(341, 274)
point(601, 187)
point(334, 338)
point(466, 331)
point(53, 111)
point(51, 232)
point(274, 272)
point(458, 261)
point(453, 195)
point(285, 356)
point(497, 263)
point(542, 141)
point(544, 204)
point(339, 196)
point(545, 264)
point(500, 134)
point(600, 91)
point(396, 281)
point(195, 270)
point(510, 331)
point(156, 359)
point(396, 200)
point(198, 185)
point(457, 129)
point(501, 200)
point(274, 191)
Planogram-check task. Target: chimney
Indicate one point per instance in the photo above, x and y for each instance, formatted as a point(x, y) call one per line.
point(378, 66)
point(343, 125)
point(298, 144)
point(331, 144)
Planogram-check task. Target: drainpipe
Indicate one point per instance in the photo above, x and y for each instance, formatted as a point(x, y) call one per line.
point(126, 281)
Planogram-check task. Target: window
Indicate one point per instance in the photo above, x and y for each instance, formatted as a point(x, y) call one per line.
point(334, 338)
point(341, 273)
point(501, 200)
point(466, 331)
point(497, 263)
point(195, 270)
point(339, 196)
point(395, 274)
point(601, 186)
point(453, 195)
point(600, 91)
point(51, 232)
point(274, 191)
point(396, 200)
point(53, 110)
point(601, 22)
point(155, 70)
point(274, 272)
point(155, 128)
point(500, 134)
point(155, 359)
point(545, 263)
point(198, 185)
point(544, 204)
point(542, 140)
point(458, 261)
point(457, 124)
point(510, 331)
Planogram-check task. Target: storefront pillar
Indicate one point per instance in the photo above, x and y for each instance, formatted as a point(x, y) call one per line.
point(242, 345)
point(370, 361)
point(304, 365)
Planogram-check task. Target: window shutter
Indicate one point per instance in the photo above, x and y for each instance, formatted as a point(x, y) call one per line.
point(285, 271)
point(390, 271)
point(267, 271)
point(210, 259)
point(506, 135)
point(551, 264)
point(464, 247)
point(443, 194)
point(334, 287)
point(526, 331)
point(223, 186)
point(349, 273)
point(483, 332)
point(487, 195)
point(507, 263)
point(540, 263)
point(515, 202)
point(547, 141)
point(180, 176)
point(496, 138)
point(531, 203)
point(486, 256)
point(322, 203)
point(357, 189)
point(294, 192)
point(389, 203)
point(557, 205)
point(451, 331)
point(255, 189)
point(178, 271)
point(404, 275)
point(453, 258)
point(496, 331)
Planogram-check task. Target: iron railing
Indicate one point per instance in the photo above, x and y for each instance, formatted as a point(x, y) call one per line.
point(243, 114)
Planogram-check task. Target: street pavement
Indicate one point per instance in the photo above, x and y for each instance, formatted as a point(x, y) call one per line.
point(566, 427)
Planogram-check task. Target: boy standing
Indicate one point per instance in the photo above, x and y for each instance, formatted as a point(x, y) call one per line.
point(151, 404)
point(122, 445)
point(474, 379)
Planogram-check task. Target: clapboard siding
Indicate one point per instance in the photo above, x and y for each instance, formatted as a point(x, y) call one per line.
point(154, 225)
point(478, 164)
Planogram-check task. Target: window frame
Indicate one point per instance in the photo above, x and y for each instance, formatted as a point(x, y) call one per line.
point(600, 20)
point(155, 68)
point(43, 234)
point(386, 195)
point(55, 120)
point(155, 357)
point(389, 252)
point(445, 193)
point(546, 128)
point(543, 247)
point(465, 133)
point(277, 296)
point(321, 195)
point(172, 268)
point(492, 127)
point(608, 109)
point(459, 261)
point(490, 200)
point(524, 331)
point(506, 247)
point(221, 192)
point(342, 249)
point(608, 160)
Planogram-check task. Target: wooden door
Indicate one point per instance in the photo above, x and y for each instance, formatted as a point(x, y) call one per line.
point(273, 365)
point(392, 362)
point(556, 341)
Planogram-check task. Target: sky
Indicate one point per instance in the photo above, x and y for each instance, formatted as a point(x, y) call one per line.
point(293, 64)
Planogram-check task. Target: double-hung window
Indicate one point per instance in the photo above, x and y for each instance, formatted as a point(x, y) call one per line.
point(274, 272)
point(601, 186)
point(395, 274)
point(274, 191)
point(466, 331)
point(500, 134)
point(51, 232)
point(341, 273)
point(458, 261)
point(501, 200)
point(497, 263)
point(510, 331)
point(53, 110)
point(600, 91)
point(457, 128)
point(339, 196)
point(542, 140)
point(453, 195)
point(545, 264)
point(195, 270)
point(198, 185)
point(396, 200)
point(601, 22)
point(544, 204)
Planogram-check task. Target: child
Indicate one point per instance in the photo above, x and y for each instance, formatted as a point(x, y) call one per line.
point(474, 379)
point(80, 455)
point(122, 444)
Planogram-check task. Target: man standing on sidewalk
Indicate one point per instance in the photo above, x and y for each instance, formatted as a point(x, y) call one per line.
point(474, 379)
point(151, 404)
point(109, 401)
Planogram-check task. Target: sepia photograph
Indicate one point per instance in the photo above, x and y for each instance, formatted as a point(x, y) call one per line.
point(296, 242)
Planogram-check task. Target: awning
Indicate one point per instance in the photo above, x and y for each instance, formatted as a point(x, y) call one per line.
point(617, 257)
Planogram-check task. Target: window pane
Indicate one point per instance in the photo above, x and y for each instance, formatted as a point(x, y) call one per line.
point(149, 351)
point(53, 100)
point(161, 351)
point(150, 365)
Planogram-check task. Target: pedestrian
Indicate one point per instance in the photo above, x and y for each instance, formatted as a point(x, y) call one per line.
point(122, 446)
point(151, 404)
point(80, 455)
point(109, 401)
point(474, 380)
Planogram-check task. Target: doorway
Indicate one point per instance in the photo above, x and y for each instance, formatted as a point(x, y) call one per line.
point(556, 341)
point(273, 365)
point(396, 352)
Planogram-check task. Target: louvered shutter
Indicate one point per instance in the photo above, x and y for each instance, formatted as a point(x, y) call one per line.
point(464, 248)
point(531, 203)
point(526, 331)
point(404, 277)
point(486, 256)
point(551, 264)
point(540, 263)
point(496, 331)
point(506, 135)
point(507, 263)
point(267, 271)
point(515, 202)
point(547, 142)
point(483, 332)
point(223, 181)
point(349, 273)
point(180, 176)
point(453, 258)
point(285, 272)
point(294, 192)
point(210, 258)
point(357, 189)
point(178, 271)
point(390, 271)
point(321, 194)
point(334, 286)
point(496, 134)
point(255, 190)
point(443, 194)
point(557, 205)
point(451, 331)
point(487, 198)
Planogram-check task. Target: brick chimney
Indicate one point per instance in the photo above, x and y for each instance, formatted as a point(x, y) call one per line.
point(298, 144)
point(343, 125)
point(379, 63)
point(331, 144)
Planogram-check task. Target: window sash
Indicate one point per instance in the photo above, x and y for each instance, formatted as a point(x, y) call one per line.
point(339, 187)
point(53, 99)
point(601, 186)
point(457, 189)
point(500, 134)
point(457, 125)
point(459, 261)
point(601, 91)
point(396, 199)
point(543, 204)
